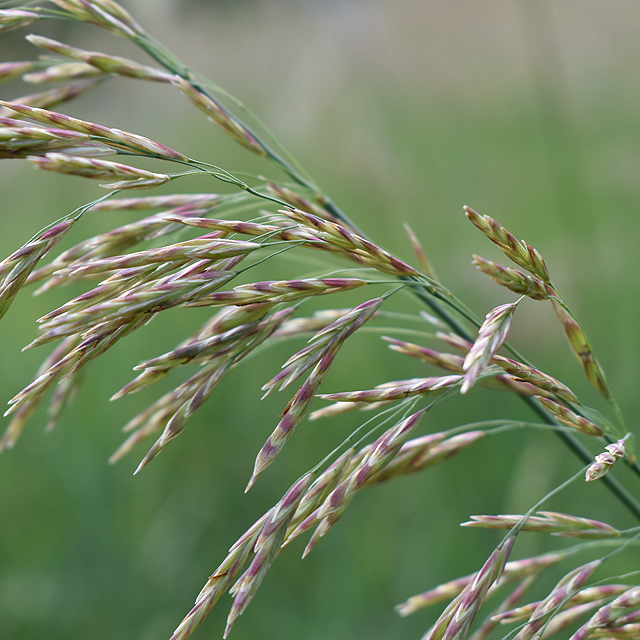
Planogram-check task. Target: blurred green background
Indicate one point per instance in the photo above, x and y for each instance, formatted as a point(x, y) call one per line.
point(403, 111)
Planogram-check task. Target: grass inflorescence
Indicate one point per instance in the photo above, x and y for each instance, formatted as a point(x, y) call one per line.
point(127, 283)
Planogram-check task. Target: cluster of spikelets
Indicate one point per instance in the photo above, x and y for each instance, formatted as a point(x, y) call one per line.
point(135, 285)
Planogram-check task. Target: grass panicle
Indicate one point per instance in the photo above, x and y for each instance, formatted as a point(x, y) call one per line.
point(259, 259)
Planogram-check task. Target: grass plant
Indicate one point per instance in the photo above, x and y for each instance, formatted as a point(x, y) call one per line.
point(204, 250)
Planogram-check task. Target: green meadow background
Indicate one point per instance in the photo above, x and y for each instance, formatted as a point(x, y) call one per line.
point(403, 111)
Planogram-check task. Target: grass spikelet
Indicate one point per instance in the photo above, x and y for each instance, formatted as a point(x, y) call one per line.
point(103, 13)
point(570, 418)
point(305, 516)
point(24, 141)
point(328, 338)
point(9, 70)
point(421, 256)
point(50, 98)
point(102, 62)
point(191, 201)
point(292, 415)
point(454, 363)
point(446, 361)
point(113, 137)
point(266, 547)
point(516, 596)
point(535, 377)
point(513, 279)
point(63, 72)
point(354, 245)
point(220, 116)
point(378, 455)
point(559, 524)
point(15, 269)
point(14, 429)
point(521, 253)
point(278, 291)
point(203, 248)
point(16, 18)
point(457, 618)
point(491, 336)
point(513, 570)
point(298, 202)
point(104, 245)
point(220, 581)
point(288, 234)
point(397, 390)
point(422, 453)
point(604, 461)
point(580, 347)
point(217, 357)
point(565, 589)
point(129, 177)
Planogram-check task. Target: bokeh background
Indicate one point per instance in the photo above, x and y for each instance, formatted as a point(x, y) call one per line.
point(404, 111)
